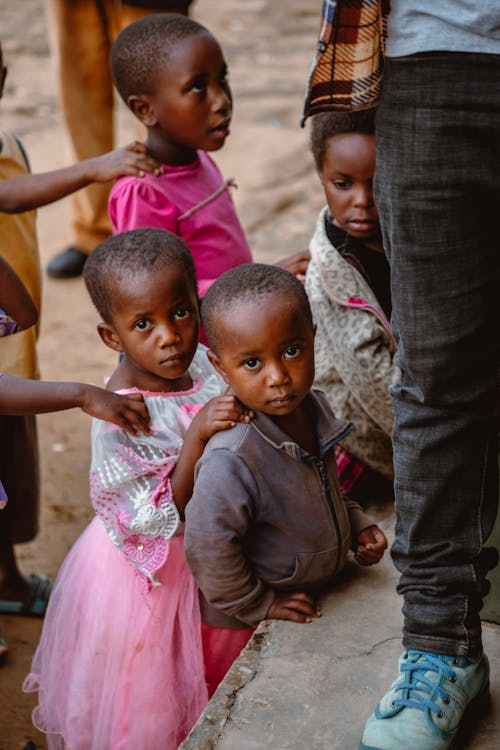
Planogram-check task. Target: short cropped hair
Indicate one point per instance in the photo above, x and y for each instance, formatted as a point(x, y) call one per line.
point(327, 124)
point(247, 283)
point(143, 48)
point(129, 254)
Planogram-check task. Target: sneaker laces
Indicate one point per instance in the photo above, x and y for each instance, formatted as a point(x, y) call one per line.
point(418, 690)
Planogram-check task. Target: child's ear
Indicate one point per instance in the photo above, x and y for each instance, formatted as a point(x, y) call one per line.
point(215, 361)
point(143, 110)
point(109, 336)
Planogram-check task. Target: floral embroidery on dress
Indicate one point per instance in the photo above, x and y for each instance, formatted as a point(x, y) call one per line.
point(130, 476)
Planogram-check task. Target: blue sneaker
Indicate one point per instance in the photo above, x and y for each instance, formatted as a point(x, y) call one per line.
point(425, 705)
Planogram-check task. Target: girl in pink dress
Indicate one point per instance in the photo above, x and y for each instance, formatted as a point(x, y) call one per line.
point(119, 664)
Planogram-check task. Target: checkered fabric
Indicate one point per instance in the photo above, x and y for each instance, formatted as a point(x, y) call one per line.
point(347, 69)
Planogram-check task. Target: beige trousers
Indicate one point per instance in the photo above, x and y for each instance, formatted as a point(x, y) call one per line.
point(82, 32)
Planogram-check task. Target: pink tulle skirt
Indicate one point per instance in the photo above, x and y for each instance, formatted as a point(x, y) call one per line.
point(118, 668)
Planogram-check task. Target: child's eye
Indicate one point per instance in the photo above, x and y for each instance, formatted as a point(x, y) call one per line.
point(142, 324)
point(251, 364)
point(181, 313)
point(292, 352)
point(342, 184)
point(199, 85)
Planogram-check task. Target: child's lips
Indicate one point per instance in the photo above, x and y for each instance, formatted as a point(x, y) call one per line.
point(282, 400)
point(222, 128)
point(363, 224)
point(173, 359)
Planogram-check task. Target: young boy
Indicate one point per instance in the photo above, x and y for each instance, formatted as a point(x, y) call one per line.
point(267, 527)
point(348, 284)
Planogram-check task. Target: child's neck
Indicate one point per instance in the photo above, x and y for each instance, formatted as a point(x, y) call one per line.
point(173, 154)
point(300, 427)
point(127, 376)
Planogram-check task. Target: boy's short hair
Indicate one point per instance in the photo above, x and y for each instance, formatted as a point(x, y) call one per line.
point(127, 255)
point(142, 49)
point(327, 124)
point(247, 283)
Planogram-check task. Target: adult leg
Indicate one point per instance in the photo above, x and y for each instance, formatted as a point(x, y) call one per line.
point(438, 158)
point(81, 42)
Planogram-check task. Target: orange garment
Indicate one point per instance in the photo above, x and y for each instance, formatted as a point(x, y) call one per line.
point(82, 32)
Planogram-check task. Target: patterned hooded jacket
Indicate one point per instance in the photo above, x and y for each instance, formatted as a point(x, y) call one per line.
point(354, 349)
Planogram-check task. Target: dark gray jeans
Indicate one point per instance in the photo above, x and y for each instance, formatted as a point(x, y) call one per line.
point(437, 188)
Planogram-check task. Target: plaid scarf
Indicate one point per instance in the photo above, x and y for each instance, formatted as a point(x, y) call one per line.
point(347, 69)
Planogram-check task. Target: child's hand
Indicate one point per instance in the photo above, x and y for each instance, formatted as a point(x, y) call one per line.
point(371, 545)
point(132, 159)
point(220, 413)
point(296, 264)
point(127, 411)
point(298, 606)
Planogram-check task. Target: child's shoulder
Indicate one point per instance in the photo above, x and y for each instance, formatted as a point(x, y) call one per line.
point(13, 149)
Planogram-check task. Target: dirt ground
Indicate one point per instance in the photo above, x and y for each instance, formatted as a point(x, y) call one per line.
point(268, 46)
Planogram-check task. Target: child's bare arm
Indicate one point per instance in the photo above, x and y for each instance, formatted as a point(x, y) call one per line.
point(21, 397)
point(371, 545)
point(14, 297)
point(219, 413)
point(297, 606)
point(34, 190)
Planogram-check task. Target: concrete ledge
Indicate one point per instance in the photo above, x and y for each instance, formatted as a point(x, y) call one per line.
point(313, 686)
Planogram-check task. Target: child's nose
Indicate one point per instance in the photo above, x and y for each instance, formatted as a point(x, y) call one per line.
point(222, 99)
point(167, 334)
point(364, 197)
point(277, 374)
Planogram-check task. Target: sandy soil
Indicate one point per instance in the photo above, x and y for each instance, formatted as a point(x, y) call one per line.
point(269, 57)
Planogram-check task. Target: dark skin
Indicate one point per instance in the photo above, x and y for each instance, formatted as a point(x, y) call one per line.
point(156, 324)
point(14, 297)
point(190, 109)
point(34, 190)
point(19, 397)
point(265, 353)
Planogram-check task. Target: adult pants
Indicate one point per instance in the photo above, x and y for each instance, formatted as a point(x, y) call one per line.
point(437, 188)
point(82, 32)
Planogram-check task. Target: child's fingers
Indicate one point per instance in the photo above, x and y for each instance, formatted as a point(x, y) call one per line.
point(137, 146)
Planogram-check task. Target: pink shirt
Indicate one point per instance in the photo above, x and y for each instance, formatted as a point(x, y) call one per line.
point(192, 201)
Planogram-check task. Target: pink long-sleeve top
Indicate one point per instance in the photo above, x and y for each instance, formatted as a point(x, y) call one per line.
point(192, 201)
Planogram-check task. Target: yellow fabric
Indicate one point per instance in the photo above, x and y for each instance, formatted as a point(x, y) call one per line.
point(19, 247)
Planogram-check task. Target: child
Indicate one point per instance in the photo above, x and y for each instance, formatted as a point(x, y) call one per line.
point(21, 191)
point(267, 527)
point(171, 72)
point(348, 286)
point(26, 397)
point(119, 663)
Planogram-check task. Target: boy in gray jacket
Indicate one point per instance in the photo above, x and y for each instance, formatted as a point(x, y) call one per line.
point(267, 527)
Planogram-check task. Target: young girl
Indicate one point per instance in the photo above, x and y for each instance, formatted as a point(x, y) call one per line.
point(120, 662)
point(171, 72)
point(348, 285)
point(20, 193)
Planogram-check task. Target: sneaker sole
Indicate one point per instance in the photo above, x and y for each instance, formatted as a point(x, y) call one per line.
point(476, 708)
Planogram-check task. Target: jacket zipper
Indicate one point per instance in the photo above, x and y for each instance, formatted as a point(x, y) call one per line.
point(326, 489)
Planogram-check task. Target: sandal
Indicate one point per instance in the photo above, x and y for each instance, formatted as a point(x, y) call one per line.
point(35, 603)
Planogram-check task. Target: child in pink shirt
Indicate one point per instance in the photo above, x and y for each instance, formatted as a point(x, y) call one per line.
point(171, 72)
